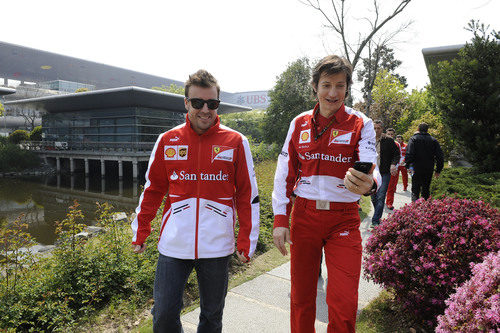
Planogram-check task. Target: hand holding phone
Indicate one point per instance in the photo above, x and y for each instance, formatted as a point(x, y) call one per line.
point(364, 167)
point(360, 184)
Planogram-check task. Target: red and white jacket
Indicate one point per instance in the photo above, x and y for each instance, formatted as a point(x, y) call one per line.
point(205, 177)
point(402, 148)
point(315, 170)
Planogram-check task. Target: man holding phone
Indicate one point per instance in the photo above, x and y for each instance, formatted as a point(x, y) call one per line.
point(317, 166)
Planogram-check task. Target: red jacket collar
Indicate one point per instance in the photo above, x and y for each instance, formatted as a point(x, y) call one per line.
point(340, 115)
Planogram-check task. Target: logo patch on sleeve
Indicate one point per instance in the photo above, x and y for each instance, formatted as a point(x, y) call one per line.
point(170, 152)
point(222, 153)
point(340, 137)
point(305, 136)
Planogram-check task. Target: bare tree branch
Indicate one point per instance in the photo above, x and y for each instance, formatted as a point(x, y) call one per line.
point(337, 23)
point(376, 28)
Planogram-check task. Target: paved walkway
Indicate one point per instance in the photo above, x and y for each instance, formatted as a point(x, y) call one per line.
point(262, 304)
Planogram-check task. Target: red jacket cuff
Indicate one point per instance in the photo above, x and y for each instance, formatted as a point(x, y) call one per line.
point(281, 221)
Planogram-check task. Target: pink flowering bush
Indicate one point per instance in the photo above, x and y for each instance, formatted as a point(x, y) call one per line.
point(424, 250)
point(475, 307)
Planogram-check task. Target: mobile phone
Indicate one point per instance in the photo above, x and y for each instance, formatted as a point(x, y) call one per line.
point(364, 167)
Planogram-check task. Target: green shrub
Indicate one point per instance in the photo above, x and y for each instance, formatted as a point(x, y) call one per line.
point(265, 180)
point(468, 183)
point(18, 135)
point(13, 158)
point(36, 134)
point(83, 276)
point(79, 278)
point(264, 151)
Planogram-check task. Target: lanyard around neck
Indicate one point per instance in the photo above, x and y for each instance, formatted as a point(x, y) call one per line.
point(318, 135)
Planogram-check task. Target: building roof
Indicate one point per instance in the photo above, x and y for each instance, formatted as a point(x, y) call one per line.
point(433, 55)
point(115, 98)
point(31, 65)
point(26, 64)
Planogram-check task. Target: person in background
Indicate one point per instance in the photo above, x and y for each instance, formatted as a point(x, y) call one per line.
point(391, 189)
point(387, 161)
point(422, 154)
point(205, 170)
point(316, 165)
point(402, 164)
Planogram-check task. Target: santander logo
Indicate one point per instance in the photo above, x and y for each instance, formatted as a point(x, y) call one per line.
point(183, 175)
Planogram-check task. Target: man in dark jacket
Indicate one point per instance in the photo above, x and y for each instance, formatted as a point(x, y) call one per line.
point(422, 152)
point(387, 160)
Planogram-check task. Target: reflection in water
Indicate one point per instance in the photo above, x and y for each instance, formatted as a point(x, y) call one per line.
point(45, 200)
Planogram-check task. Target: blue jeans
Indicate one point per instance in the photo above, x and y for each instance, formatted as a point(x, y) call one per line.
point(170, 281)
point(378, 199)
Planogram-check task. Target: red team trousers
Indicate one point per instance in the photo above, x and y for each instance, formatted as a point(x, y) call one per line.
point(389, 200)
point(337, 231)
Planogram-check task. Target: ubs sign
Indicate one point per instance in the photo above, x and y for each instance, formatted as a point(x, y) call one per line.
point(253, 99)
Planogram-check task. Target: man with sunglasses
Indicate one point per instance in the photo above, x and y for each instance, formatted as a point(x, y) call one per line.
point(205, 170)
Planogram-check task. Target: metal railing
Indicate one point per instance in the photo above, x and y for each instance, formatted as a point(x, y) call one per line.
point(87, 146)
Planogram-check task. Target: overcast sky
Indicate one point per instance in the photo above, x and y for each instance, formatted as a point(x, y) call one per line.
point(245, 44)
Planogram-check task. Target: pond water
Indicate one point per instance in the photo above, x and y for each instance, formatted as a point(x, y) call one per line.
point(41, 201)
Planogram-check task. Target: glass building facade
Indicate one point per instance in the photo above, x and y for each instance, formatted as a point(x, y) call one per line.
point(116, 125)
point(63, 85)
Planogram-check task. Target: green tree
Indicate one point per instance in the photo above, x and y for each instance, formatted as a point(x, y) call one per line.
point(382, 57)
point(418, 103)
point(173, 88)
point(390, 99)
point(291, 95)
point(437, 129)
point(467, 91)
point(2, 109)
point(250, 123)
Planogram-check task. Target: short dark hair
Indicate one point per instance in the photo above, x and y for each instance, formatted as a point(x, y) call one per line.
point(332, 64)
point(201, 78)
point(423, 128)
point(378, 121)
point(399, 136)
point(391, 129)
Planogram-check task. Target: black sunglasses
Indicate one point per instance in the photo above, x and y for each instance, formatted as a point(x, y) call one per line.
point(198, 103)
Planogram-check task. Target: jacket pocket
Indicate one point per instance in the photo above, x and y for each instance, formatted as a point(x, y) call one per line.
point(215, 229)
point(178, 235)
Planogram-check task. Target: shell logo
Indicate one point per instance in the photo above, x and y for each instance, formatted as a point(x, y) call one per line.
point(170, 152)
point(304, 136)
